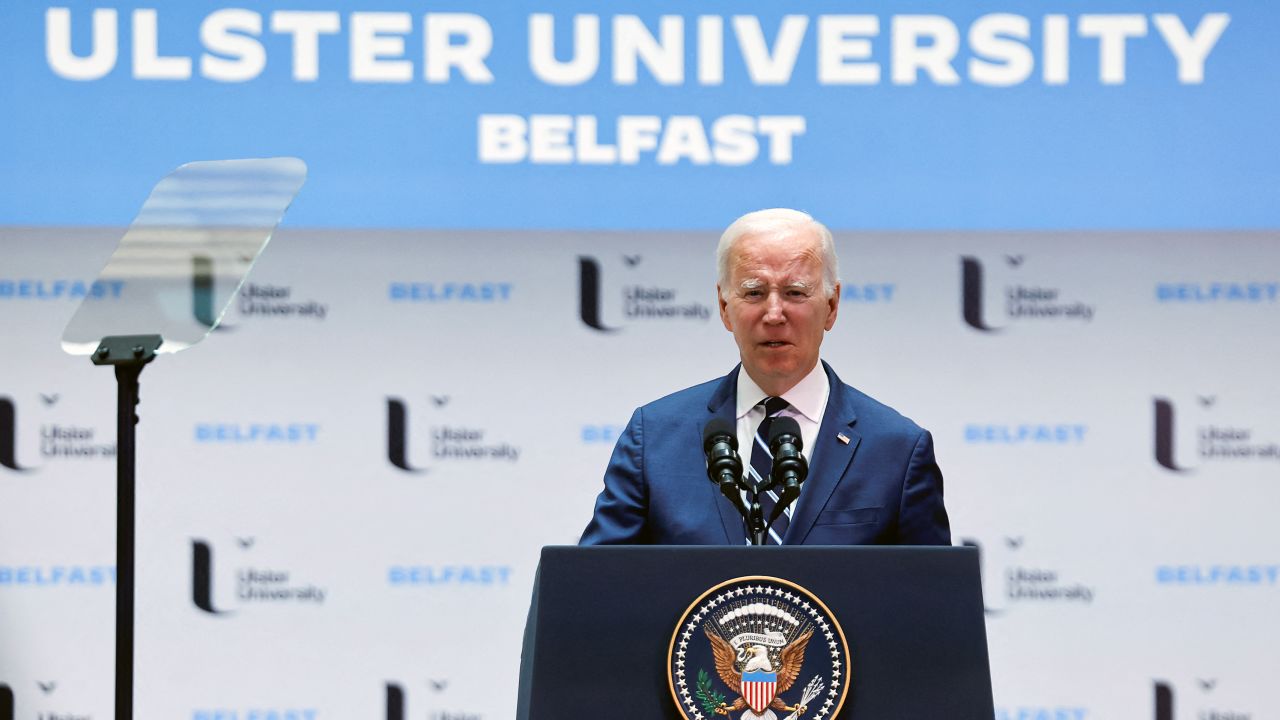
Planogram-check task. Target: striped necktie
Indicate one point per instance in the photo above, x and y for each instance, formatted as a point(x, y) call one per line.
point(762, 465)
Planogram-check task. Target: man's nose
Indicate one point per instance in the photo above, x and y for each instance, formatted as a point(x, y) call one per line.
point(773, 314)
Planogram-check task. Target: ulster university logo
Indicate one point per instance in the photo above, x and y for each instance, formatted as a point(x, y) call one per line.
point(449, 441)
point(254, 583)
point(754, 647)
point(637, 299)
point(1013, 579)
point(1181, 446)
point(59, 440)
point(1022, 300)
point(253, 299)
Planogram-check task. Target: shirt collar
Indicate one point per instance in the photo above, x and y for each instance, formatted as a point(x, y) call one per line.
point(808, 397)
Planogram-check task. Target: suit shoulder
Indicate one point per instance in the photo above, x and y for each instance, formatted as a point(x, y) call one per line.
point(875, 415)
point(681, 401)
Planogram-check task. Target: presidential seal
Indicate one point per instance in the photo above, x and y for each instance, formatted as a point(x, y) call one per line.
point(758, 648)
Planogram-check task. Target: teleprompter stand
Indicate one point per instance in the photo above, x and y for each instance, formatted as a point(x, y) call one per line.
point(178, 267)
point(128, 354)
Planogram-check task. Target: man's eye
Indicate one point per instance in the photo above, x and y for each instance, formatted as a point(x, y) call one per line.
point(753, 293)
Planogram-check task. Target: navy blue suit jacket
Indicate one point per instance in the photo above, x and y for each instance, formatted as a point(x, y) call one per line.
point(882, 487)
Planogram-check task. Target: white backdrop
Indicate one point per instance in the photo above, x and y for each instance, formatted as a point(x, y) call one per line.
point(337, 579)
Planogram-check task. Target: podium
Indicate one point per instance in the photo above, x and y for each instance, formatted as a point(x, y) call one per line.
point(604, 625)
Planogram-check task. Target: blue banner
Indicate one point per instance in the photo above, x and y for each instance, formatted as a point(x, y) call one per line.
point(556, 114)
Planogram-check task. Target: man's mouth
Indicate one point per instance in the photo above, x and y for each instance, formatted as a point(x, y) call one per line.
point(775, 343)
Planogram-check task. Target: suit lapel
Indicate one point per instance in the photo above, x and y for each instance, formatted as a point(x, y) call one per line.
point(831, 458)
point(723, 403)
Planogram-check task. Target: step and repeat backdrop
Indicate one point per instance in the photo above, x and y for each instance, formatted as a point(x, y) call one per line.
point(1059, 252)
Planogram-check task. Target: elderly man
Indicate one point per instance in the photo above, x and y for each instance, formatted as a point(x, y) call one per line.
point(872, 475)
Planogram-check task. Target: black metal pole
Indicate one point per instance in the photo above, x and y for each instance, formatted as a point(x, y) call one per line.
point(129, 354)
point(126, 423)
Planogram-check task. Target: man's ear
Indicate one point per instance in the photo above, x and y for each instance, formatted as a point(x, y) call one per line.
point(724, 309)
point(833, 305)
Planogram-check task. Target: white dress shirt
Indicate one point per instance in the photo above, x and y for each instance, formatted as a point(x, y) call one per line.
point(808, 402)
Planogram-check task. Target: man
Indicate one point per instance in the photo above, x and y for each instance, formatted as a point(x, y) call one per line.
point(872, 475)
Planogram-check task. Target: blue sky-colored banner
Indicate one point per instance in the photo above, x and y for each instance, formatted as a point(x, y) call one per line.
point(872, 115)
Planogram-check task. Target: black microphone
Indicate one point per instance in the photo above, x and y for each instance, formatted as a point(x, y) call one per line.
point(724, 466)
point(789, 466)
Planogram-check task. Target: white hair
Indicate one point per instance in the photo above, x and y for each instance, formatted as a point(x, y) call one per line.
point(779, 221)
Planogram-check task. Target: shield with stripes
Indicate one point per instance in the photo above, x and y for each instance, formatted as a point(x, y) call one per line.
point(758, 689)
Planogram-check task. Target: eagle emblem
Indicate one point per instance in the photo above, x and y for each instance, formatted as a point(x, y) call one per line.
point(757, 684)
point(776, 651)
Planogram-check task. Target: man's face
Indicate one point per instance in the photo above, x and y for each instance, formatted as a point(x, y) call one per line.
point(775, 306)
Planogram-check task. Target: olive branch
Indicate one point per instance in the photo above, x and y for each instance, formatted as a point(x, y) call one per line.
point(707, 695)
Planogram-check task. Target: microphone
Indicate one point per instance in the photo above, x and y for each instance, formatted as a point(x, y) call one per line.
point(789, 466)
point(724, 466)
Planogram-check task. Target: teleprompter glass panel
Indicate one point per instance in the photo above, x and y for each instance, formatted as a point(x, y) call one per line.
point(187, 252)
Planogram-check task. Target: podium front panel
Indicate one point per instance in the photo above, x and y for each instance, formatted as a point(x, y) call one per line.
point(602, 621)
